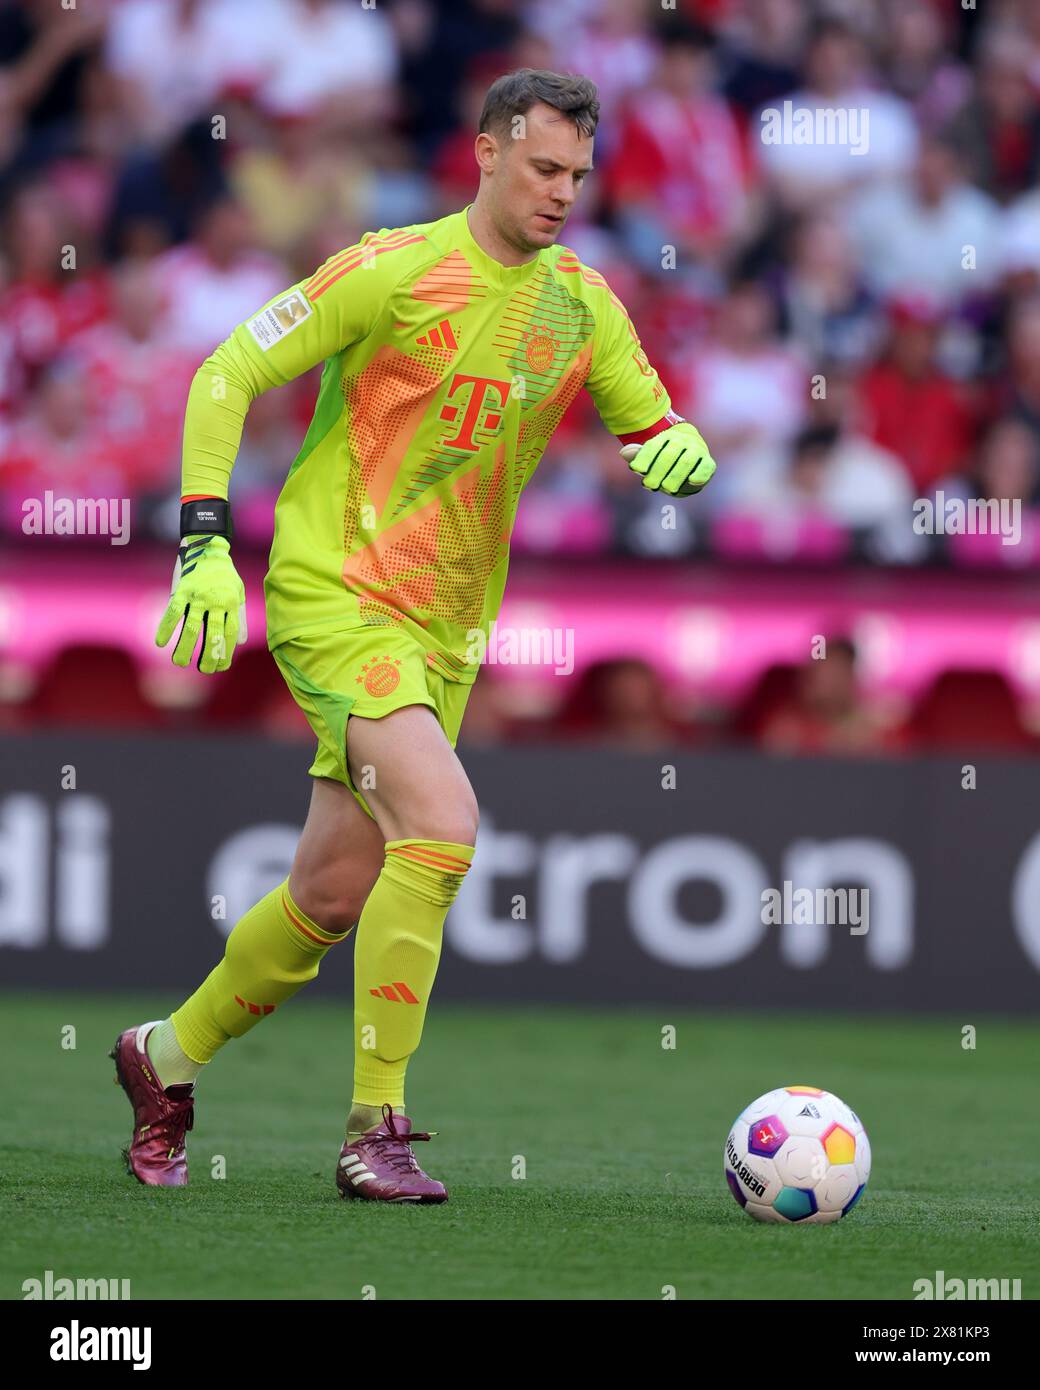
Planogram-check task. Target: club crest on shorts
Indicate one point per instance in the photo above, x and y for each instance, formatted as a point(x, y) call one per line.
point(380, 677)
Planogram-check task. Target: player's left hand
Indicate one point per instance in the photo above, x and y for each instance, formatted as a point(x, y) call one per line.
point(676, 461)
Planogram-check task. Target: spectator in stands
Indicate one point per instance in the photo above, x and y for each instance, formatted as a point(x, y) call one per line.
point(9, 369)
point(824, 303)
point(1006, 465)
point(998, 127)
point(216, 280)
point(136, 383)
point(439, 46)
point(929, 233)
point(838, 76)
point(1019, 393)
point(678, 174)
point(837, 475)
point(160, 196)
point(55, 287)
point(762, 52)
point(173, 58)
point(293, 177)
point(336, 60)
point(452, 166)
point(910, 406)
point(621, 702)
point(828, 713)
point(45, 53)
point(1028, 19)
point(747, 390)
point(57, 445)
point(1019, 251)
point(1003, 471)
point(918, 64)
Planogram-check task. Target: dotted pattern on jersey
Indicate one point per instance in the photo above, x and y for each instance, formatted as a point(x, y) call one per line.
point(386, 404)
point(436, 563)
point(434, 359)
point(378, 614)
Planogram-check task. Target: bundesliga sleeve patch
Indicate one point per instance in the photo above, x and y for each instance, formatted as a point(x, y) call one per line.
point(278, 319)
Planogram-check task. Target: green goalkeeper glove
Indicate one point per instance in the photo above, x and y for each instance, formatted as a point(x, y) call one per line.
point(675, 461)
point(208, 594)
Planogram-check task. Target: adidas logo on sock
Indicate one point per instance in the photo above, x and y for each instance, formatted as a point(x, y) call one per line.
point(263, 1009)
point(398, 992)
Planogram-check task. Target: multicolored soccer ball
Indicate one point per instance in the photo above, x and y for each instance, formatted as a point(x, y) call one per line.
point(797, 1154)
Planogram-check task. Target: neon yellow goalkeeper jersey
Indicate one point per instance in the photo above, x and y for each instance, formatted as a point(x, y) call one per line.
point(445, 375)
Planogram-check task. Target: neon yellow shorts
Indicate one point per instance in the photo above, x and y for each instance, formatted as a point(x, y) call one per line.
point(368, 671)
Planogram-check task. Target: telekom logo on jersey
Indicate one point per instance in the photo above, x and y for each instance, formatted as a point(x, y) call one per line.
point(487, 397)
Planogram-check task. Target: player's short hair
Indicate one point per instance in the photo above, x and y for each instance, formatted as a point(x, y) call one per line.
point(515, 93)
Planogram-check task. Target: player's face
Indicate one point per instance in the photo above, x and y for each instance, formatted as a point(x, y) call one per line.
point(539, 177)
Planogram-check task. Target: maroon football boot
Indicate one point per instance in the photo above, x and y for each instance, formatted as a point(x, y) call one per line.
point(381, 1167)
point(155, 1154)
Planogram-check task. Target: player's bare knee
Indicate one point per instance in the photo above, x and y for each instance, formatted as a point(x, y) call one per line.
point(455, 823)
point(328, 900)
point(465, 830)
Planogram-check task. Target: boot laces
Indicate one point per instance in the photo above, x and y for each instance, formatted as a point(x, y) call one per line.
point(395, 1146)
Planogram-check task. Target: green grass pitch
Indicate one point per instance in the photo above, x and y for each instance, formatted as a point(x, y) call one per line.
point(622, 1141)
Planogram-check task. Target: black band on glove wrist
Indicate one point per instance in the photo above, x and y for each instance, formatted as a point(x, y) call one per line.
point(206, 516)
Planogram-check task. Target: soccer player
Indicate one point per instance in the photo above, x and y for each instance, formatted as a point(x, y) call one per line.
point(452, 350)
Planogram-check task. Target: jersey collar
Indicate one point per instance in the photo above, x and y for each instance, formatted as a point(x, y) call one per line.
point(499, 276)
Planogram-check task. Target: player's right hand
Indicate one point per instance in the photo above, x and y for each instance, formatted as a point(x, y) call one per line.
point(210, 597)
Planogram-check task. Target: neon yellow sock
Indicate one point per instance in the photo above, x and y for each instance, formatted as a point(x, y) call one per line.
point(395, 960)
point(272, 951)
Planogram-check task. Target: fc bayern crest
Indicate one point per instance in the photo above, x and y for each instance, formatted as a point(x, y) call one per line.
point(380, 677)
point(541, 344)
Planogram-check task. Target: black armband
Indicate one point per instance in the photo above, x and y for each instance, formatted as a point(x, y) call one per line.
point(206, 516)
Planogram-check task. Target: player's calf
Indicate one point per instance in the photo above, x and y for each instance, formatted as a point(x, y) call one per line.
point(337, 860)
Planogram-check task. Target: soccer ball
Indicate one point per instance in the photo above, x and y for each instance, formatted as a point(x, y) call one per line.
point(797, 1154)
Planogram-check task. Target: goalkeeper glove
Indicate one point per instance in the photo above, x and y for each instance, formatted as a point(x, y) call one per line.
point(208, 594)
point(675, 461)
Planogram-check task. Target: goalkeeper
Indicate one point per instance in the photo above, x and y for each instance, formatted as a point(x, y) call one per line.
point(451, 351)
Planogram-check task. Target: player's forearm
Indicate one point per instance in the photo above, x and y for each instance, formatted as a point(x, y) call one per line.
point(221, 392)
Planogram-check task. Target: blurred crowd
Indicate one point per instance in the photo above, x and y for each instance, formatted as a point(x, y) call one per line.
point(852, 332)
point(822, 707)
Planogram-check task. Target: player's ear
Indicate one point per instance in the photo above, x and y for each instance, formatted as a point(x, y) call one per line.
point(485, 147)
